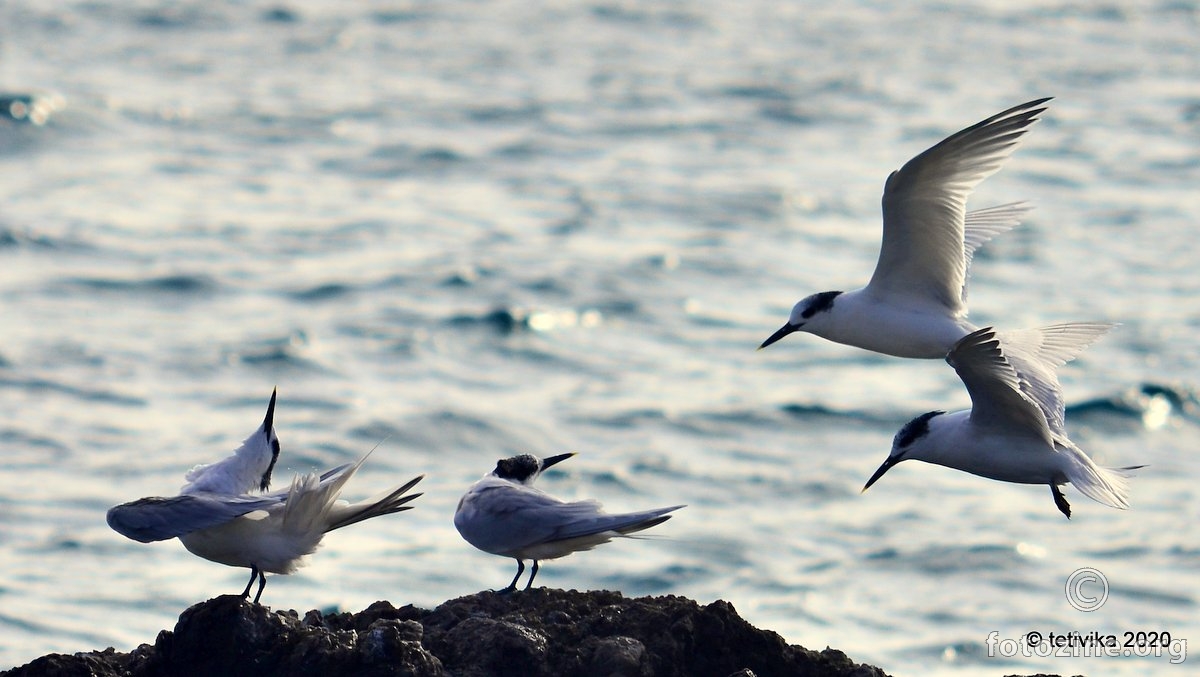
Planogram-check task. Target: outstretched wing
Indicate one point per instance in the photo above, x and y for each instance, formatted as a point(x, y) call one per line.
point(982, 225)
point(157, 518)
point(997, 400)
point(1036, 355)
point(922, 256)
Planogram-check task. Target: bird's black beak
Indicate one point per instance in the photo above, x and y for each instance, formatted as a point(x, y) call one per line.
point(547, 462)
point(269, 421)
point(887, 465)
point(783, 331)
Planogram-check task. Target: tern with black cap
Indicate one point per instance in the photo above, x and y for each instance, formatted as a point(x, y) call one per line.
point(1005, 435)
point(225, 513)
point(915, 303)
point(504, 514)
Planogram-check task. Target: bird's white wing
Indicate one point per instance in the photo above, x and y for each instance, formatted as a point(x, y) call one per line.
point(997, 400)
point(1036, 355)
point(157, 518)
point(982, 225)
point(922, 258)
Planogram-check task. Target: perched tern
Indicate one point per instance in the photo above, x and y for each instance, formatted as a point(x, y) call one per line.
point(1005, 435)
point(915, 303)
point(504, 514)
point(224, 515)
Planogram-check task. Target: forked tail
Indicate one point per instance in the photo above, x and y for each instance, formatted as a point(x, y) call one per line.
point(386, 503)
point(631, 523)
point(1109, 486)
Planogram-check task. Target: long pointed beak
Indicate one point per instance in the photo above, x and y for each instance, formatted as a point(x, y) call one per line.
point(547, 462)
point(886, 466)
point(783, 331)
point(269, 421)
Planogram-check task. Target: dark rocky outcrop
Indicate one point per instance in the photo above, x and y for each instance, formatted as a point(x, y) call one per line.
point(534, 633)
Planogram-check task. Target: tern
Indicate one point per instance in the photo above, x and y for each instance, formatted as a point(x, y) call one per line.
point(1005, 435)
point(504, 514)
point(914, 305)
point(225, 514)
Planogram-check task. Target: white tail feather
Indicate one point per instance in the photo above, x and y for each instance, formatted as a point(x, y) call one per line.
point(1109, 486)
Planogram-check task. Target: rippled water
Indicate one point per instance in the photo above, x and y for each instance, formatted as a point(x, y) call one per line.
point(477, 229)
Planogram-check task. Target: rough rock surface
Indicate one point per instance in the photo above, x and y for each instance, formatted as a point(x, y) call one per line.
point(535, 633)
point(539, 632)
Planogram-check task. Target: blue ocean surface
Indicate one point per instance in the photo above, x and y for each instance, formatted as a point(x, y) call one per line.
point(463, 230)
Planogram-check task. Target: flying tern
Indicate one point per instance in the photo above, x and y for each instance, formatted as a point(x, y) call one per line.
point(915, 302)
point(1005, 435)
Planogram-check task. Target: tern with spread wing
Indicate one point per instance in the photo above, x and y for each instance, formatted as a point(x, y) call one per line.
point(225, 514)
point(1005, 435)
point(505, 515)
point(915, 303)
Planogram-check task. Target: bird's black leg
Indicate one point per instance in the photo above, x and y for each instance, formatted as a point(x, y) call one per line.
point(262, 583)
point(520, 570)
point(253, 575)
point(1060, 500)
point(532, 573)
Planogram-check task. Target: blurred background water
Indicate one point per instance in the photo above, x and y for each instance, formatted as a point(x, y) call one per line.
point(475, 229)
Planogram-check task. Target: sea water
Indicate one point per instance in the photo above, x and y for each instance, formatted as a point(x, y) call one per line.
point(463, 230)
